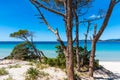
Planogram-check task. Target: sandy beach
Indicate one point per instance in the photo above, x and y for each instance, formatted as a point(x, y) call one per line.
point(18, 73)
point(110, 70)
point(113, 66)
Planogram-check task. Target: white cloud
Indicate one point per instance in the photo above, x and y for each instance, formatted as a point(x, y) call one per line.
point(94, 16)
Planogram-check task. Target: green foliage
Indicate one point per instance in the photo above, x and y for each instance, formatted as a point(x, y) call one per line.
point(22, 34)
point(43, 74)
point(30, 63)
point(41, 66)
point(14, 66)
point(32, 74)
point(3, 71)
point(60, 60)
point(96, 64)
point(9, 78)
point(22, 51)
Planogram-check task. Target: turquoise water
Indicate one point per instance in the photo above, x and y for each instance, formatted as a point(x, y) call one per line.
point(106, 51)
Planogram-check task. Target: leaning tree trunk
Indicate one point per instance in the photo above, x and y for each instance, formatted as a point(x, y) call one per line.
point(34, 48)
point(96, 38)
point(92, 55)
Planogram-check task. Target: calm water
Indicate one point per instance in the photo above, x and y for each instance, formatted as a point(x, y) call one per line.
point(106, 51)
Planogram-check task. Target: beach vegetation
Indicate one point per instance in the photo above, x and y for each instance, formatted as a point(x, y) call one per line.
point(9, 78)
point(43, 74)
point(30, 63)
point(32, 74)
point(3, 71)
point(41, 65)
point(60, 60)
point(22, 51)
point(27, 36)
point(14, 66)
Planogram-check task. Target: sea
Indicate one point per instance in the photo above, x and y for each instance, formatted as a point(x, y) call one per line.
point(105, 51)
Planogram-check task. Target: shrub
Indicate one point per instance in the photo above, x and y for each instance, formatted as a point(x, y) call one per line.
point(9, 78)
point(60, 60)
point(22, 51)
point(41, 66)
point(30, 63)
point(3, 71)
point(43, 74)
point(32, 74)
point(14, 66)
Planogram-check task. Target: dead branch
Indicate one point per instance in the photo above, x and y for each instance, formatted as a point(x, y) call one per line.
point(50, 28)
point(47, 8)
point(105, 22)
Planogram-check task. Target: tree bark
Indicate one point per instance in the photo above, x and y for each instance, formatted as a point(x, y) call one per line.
point(69, 55)
point(85, 43)
point(77, 39)
point(92, 55)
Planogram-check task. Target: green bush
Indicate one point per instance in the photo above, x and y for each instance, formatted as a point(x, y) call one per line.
point(3, 71)
point(9, 78)
point(41, 66)
point(22, 51)
point(14, 66)
point(32, 74)
point(60, 60)
point(43, 74)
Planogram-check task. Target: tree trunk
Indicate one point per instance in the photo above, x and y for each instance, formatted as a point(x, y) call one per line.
point(85, 43)
point(92, 55)
point(36, 51)
point(69, 55)
point(32, 44)
point(77, 44)
point(69, 60)
point(85, 48)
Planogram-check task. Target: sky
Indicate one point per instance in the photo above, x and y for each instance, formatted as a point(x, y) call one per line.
point(20, 14)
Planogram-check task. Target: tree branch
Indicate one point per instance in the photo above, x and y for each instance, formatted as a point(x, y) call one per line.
point(117, 1)
point(50, 28)
point(35, 2)
point(106, 20)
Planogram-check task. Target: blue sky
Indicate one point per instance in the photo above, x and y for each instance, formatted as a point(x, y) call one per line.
point(20, 14)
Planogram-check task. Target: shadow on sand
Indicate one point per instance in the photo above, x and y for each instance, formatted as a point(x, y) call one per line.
point(107, 75)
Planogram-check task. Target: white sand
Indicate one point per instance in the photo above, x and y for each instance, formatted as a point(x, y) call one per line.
point(19, 73)
point(15, 73)
point(55, 73)
point(108, 71)
point(112, 71)
point(113, 66)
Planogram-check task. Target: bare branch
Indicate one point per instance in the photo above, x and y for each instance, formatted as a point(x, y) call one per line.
point(91, 38)
point(117, 1)
point(106, 20)
point(95, 30)
point(35, 2)
point(74, 40)
point(50, 28)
